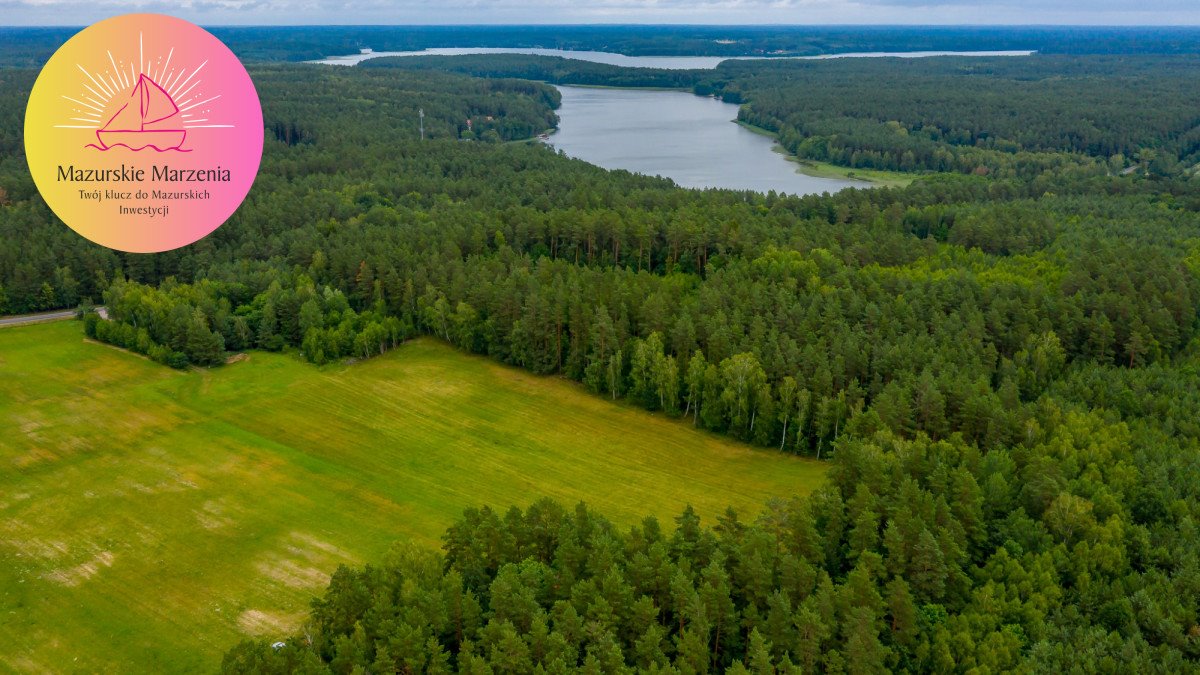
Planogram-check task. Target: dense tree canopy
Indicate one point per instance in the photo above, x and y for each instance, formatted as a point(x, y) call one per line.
point(1006, 115)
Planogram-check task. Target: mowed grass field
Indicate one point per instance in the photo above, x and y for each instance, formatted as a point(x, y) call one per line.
point(150, 519)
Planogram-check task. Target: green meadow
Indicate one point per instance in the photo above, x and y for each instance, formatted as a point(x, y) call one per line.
point(150, 518)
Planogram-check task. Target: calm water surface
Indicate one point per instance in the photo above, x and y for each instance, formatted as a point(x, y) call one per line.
point(689, 139)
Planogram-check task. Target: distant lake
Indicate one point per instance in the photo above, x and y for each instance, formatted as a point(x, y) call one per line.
point(689, 139)
point(666, 62)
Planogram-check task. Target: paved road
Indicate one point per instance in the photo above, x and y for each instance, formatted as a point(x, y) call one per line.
point(35, 318)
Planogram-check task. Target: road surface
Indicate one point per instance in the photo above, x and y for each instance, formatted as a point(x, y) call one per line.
point(36, 318)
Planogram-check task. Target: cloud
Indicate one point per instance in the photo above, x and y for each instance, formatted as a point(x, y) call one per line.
point(213, 12)
point(1055, 5)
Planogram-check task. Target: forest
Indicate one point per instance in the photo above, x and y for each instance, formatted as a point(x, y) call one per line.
point(1006, 116)
point(1000, 364)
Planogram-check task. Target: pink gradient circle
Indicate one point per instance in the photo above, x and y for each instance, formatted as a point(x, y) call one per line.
point(144, 93)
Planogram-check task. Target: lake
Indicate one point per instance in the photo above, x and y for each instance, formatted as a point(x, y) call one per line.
point(666, 62)
point(689, 139)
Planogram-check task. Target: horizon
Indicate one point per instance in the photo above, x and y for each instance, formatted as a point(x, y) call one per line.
point(739, 26)
point(709, 13)
point(997, 26)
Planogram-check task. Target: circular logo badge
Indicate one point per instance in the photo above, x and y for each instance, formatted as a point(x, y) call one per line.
point(143, 133)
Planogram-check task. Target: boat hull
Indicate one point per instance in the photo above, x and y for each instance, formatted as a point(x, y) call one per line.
point(170, 139)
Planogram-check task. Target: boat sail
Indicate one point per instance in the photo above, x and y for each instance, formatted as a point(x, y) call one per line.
point(149, 118)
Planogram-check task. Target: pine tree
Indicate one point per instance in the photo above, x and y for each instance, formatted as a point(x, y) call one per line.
point(268, 328)
point(203, 346)
point(902, 613)
point(865, 654)
point(927, 567)
point(758, 654)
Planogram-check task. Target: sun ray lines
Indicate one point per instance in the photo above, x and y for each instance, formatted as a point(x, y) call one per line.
point(120, 74)
point(168, 62)
point(83, 104)
point(96, 93)
point(198, 69)
point(201, 103)
point(176, 80)
point(184, 93)
point(94, 80)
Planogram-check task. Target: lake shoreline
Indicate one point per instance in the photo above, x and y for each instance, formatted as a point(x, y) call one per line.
point(809, 167)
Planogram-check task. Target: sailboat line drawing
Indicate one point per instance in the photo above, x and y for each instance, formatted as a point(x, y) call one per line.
point(157, 103)
point(149, 119)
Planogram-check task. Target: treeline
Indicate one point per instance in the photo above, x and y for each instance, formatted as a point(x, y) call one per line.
point(1072, 550)
point(720, 318)
point(181, 325)
point(552, 69)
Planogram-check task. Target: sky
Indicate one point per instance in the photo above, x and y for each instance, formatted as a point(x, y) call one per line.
point(923, 12)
